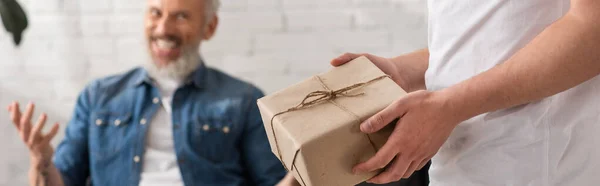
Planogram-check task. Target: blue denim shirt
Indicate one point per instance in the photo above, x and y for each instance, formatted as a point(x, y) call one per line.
point(105, 139)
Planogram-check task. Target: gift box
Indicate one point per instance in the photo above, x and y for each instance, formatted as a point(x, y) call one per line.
point(314, 126)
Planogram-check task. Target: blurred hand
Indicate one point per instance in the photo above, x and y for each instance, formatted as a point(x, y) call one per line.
point(425, 122)
point(39, 144)
point(385, 64)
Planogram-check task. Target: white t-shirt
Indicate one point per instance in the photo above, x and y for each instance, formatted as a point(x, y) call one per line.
point(553, 141)
point(160, 166)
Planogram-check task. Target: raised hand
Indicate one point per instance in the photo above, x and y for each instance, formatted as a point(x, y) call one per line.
point(39, 144)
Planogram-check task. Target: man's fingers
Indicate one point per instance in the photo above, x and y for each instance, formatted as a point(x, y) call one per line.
point(343, 59)
point(52, 133)
point(26, 120)
point(393, 173)
point(411, 169)
point(424, 163)
point(35, 134)
point(384, 117)
point(15, 114)
point(380, 160)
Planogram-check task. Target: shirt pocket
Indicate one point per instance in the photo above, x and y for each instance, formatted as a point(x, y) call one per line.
point(107, 134)
point(213, 139)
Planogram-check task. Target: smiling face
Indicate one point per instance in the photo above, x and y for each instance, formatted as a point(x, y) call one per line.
point(175, 29)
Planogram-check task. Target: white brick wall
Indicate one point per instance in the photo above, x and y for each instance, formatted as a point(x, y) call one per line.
point(271, 43)
point(318, 20)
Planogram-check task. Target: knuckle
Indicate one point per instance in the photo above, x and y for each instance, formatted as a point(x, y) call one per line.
point(396, 176)
point(398, 104)
point(396, 142)
point(408, 173)
point(379, 164)
point(377, 120)
point(376, 180)
point(424, 158)
point(411, 155)
point(420, 154)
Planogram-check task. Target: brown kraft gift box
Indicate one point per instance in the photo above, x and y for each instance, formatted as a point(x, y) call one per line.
point(313, 126)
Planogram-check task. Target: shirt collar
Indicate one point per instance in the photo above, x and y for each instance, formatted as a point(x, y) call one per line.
point(196, 78)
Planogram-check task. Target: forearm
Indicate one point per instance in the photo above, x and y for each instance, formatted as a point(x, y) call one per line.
point(45, 175)
point(564, 55)
point(412, 67)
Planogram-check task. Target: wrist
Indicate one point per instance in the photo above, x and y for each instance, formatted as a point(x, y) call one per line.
point(39, 164)
point(41, 159)
point(410, 69)
point(454, 105)
point(400, 74)
point(38, 175)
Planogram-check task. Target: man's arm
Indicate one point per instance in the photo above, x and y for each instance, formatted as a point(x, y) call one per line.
point(70, 166)
point(41, 171)
point(71, 158)
point(407, 70)
point(262, 165)
point(44, 175)
point(412, 66)
point(564, 55)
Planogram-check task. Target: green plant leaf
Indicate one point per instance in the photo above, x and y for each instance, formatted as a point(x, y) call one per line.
point(14, 19)
point(7, 19)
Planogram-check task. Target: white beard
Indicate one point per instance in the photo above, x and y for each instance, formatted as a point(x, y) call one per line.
point(179, 69)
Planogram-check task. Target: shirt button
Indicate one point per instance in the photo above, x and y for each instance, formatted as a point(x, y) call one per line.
point(206, 127)
point(136, 159)
point(180, 160)
point(155, 100)
point(225, 129)
point(98, 122)
point(143, 121)
point(176, 126)
point(117, 122)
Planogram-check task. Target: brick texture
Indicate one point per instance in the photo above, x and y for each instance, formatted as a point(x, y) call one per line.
point(271, 43)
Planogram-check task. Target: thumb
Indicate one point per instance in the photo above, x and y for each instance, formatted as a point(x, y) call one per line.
point(343, 59)
point(384, 117)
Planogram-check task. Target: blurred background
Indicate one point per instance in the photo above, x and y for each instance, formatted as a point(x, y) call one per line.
point(271, 43)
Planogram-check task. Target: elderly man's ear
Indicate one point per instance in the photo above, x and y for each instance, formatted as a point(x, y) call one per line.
point(211, 27)
point(288, 180)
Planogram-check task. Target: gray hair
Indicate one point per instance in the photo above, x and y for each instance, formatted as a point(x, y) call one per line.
point(212, 7)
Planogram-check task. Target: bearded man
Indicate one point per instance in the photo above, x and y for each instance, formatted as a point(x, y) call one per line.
point(172, 122)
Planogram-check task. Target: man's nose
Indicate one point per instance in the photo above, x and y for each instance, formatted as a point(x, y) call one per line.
point(165, 26)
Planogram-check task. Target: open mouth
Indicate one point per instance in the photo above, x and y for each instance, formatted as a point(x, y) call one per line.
point(166, 48)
